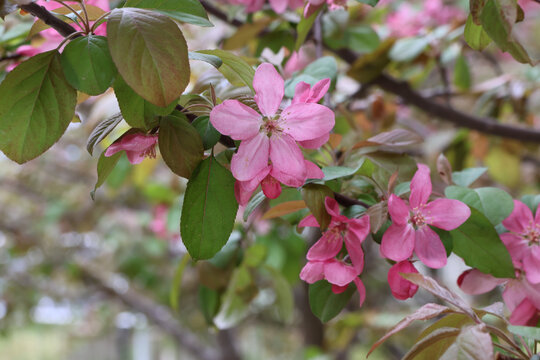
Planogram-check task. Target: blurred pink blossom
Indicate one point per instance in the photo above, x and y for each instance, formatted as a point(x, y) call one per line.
point(137, 146)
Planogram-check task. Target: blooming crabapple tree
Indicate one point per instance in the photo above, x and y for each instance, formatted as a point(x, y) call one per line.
point(274, 136)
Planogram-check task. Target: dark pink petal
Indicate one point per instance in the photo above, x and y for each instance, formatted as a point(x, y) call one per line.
point(328, 246)
point(312, 272)
point(242, 196)
point(420, 187)
point(287, 160)
point(531, 264)
point(251, 158)
point(517, 247)
point(398, 242)
point(301, 91)
point(318, 90)
point(399, 211)
point(313, 171)
point(361, 290)
point(359, 227)
point(252, 184)
point(310, 221)
point(307, 121)
point(236, 120)
point(446, 214)
point(137, 142)
point(402, 289)
point(339, 289)
point(354, 248)
point(520, 218)
point(269, 88)
point(332, 207)
point(338, 273)
point(474, 282)
point(135, 157)
point(525, 314)
point(315, 143)
point(429, 248)
point(271, 187)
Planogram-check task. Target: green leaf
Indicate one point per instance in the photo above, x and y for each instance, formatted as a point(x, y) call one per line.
point(150, 53)
point(189, 11)
point(369, 2)
point(36, 106)
point(525, 331)
point(209, 135)
point(476, 7)
point(88, 65)
point(532, 201)
point(467, 176)
point(255, 201)
point(303, 28)
point(462, 74)
point(336, 172)
point(234, 64)
point(179, 144)
point(105, 166)
point(369, 66)
point(284, 303)
point(495, 204)
point(137, 112)
point(215, 61)
point(324, 303)
point(209, 209)
point(475, 35)
point(314, 196)
point(408, 49)
point(479, 245)
point(325, 67)
point(208, 303)
point(174, 294)
point(101, 131)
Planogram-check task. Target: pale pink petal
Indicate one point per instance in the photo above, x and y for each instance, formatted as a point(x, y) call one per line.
point(420, 186)
point(319, 90)
point(271, 187)
point(287, 160)
point(301, 90)
point(269, 88)
point(537, 217)
point(332, 207)
point(242, 196)
point(531, 265)
point(398, 242)
point(310, 221)
point(525, 314)
point(313, 171)
point(279, 6)
point(307, 121)
point(312, 272)
point(429, 248)
point(519, 219)
point(399, 211)
point(251, 158)
point(315, 143)
point(517, 247)
point(354, 248)
point(514, 293)
point(254, 5)
point(252, 184)
point(236, 120)
point(446, 214)
point(402, 289)
point(134, 157)
point(361, 290)
point(474, 282)
point(328, 246)
point(338, 273)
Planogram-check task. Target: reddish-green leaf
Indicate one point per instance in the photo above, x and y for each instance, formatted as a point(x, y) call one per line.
point(314, 195)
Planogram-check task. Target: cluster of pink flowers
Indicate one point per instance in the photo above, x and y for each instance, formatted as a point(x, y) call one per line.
point(325, 258)
point(410, 21)
point(269, 153)
point(522, 294)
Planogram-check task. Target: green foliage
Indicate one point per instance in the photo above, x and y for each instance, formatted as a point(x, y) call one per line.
point(303, 28)
point(88, 65)
point(323, 68)
point(234, 68)
point(314, 195)
point(462, 74)
point(189, 11)
point(468, 176)
point(324, 303)
point(209, 209)
point(36, 108)
point(104, 168)
point(409, 48)
point(101, 131)
point(209, 135)
point(150, 53)
point(475, 35)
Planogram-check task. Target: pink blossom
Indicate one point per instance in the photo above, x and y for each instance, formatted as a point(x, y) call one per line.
point(523, 240)
point(341, 229)
point(158, 225)
point(336, 272)
point(401, 288)
point(410, 229)
point(299, 60)
point(136, 145)
point(313, 5)
point(521, 297)
point(269, 137)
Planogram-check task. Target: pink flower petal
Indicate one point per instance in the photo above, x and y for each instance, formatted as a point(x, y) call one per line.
point(312, 272)
point(399, 211)
point(338, 273)
point(361, 290)
point(269, 88)
point(328, 246)
point(307, 121)
point(531, 265)
point(517, 247)
point(359, 228)
point(252, 184)
point(537, 217)
point(287, 160)
point(271, 187)
point(136, 146)
point(279, 6)
point(301, 90)
point(242, 196)
point(251, 158)
point(525, 314)
point(313, 171)
point(354, 248)
point(308, 221)
point(339, 289)
point(429, 248)
point(315, 143)
point(402, 289)
point(236, 120)
point(319, 90)
point(135, 157)
point(398, 242)
point(332, 207)
point(474, 282)
point(446, 214)
point(420, 186)
point(519, 219)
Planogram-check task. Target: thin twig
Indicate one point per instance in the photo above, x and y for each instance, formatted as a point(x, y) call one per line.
point(40, 12)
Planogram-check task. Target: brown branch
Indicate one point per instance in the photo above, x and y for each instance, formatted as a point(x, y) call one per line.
point(346, 201)
point(40, 12)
